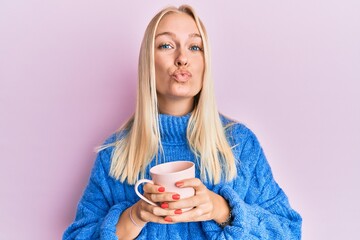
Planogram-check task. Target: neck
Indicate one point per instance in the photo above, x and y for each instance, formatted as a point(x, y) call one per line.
point(176, 107)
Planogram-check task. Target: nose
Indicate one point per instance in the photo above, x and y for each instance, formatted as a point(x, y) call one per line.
point(181, 59)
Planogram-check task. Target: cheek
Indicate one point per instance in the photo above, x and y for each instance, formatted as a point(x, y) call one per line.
point(200, 65)
point(198, 83)
point(200, 70)
point(160, 67)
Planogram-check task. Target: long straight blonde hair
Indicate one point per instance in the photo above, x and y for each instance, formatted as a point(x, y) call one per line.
point(141, 139)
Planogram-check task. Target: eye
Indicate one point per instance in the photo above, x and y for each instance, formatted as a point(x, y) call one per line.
point(195, 48)
point(165, 46)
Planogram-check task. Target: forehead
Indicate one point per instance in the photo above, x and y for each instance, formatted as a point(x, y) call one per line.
point(177, 22)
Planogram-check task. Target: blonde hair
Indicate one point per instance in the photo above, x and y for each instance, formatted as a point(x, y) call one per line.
point(141, 140)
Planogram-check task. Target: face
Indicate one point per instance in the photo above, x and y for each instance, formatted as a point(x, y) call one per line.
point(179, 59)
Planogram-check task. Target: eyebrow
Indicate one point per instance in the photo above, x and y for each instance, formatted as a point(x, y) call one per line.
point(195, 35)
point(173, 35)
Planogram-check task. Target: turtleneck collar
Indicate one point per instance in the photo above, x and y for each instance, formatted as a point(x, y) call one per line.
point(173, 128)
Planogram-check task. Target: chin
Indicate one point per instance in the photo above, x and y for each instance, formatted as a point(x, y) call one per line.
point(182, 95)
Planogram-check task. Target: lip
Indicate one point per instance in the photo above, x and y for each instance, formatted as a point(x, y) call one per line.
point(181, 75)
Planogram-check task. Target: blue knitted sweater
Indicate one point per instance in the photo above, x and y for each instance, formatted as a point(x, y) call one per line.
point(260, 208)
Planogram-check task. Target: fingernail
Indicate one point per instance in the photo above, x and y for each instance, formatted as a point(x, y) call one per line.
point(164, 205)
point(161, 189)
point(176, 196)
point(178, 211)
point(168, 219)
point(179, 184)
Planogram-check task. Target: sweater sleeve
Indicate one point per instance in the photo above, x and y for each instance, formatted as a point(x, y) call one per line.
point(97, 213)
point(263, 212)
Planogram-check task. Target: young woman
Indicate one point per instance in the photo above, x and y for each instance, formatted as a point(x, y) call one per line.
point(176, 118)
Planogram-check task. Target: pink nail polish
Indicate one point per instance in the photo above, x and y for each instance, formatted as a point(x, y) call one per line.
point(168, 219)
point(161, 189)
point(178, 211)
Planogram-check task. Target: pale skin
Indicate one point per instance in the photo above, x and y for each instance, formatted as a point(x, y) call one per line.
point(179, 67)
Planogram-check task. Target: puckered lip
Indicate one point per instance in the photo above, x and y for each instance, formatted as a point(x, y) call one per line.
point(181, 75)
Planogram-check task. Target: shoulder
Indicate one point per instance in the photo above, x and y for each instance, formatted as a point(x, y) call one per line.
point(243, 141)
point(236, 130)
point(115, 137)
point(105, 150)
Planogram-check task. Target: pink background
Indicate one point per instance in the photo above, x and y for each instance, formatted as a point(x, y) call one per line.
point(290, 70)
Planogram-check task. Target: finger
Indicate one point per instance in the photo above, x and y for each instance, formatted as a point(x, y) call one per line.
point(185, 203)
point(152, 188)
point(191, 182)
point(191, 202)
point(194, 215)
point(162, 197)
point(150, 213)
point(149, 217)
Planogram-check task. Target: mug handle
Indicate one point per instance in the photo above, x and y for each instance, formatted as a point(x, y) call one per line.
point(139, 194)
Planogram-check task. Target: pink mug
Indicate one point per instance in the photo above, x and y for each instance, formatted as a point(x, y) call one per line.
point(166, 175)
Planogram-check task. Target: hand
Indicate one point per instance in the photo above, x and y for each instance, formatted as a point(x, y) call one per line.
point(144, 212)
point(202, 203)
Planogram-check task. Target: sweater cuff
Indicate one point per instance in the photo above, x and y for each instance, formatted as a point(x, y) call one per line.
point(237, 208)
point(108, 227)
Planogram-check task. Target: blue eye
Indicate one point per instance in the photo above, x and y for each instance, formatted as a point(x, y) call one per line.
point(165, 46)
point(195, 48)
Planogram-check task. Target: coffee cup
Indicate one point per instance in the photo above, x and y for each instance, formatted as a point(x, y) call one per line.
point(166, 175)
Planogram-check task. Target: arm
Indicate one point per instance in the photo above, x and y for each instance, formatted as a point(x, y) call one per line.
point(98, 212)
point(263, 211)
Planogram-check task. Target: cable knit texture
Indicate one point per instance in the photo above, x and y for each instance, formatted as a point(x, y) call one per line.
point(260, 209)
